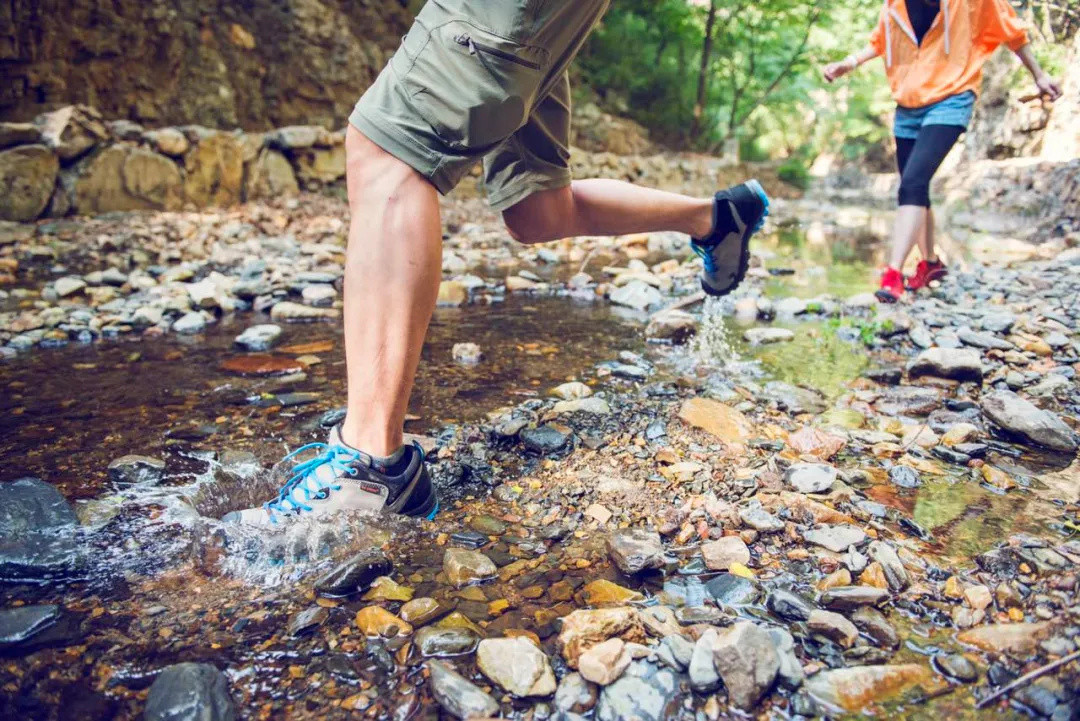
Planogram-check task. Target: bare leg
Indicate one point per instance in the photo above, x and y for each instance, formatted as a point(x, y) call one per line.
point(605, 207)
point(926, 238)
point(907, 229)
point(392, 273)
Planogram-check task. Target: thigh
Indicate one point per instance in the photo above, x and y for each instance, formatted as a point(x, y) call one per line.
point(930, 148)
point(537, 156)
point(904, 146)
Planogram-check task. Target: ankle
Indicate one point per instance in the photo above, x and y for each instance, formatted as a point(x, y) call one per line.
point(701, 220)
point(374, 444)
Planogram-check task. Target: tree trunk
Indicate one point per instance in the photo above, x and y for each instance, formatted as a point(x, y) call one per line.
point(703, 76)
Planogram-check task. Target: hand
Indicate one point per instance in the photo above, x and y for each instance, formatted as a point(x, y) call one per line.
point(839, 69)
point(1048, 87)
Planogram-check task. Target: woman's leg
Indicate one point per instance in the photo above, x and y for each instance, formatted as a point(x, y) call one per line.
point(923, 160)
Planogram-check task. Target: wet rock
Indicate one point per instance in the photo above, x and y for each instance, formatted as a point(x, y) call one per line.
point(793, 399)
point(385, 588)
point(982, 340)
point(457, 695)
point(753, 515)
point(260, 337)
point(638, 295)
point(763, 336)
point(596, 406)
point(958, 364)
point(585, 627)
point(721, 554)
point(444, 642)
point(452, 294)
point(731, 590)
point(1006, 638)
point(306, 621)
point(189, 692)
point(546, 439)
point(957, 666)
point(466, 353)
point(21, 624)
point(904, 476)
point(747, 661)
point(790, 674)
point(787, 605)
point(354, 575)
point(634, 550)
point(575, 694)
point(717, 419)
point(602, 592)
point(464, 567)
point(421, 611)
point(1034, 425)
point(645, 692)
point(572, 391)
point(377, 621)
point(671, 326)
point(811, 477)
point(136, 470)
point(192, 322)
point(894, 570)
point(833, 626)
point(873, 623)
point(68, 285)
point(846, 598)
point(603, 663)
point(289, 312)
point(852, 689)
point(702, 669)
point(676, 651)
point(516, 665)
point(835, 538)
point(37, 532)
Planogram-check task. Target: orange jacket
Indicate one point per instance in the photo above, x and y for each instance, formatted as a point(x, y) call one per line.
point(963, 36)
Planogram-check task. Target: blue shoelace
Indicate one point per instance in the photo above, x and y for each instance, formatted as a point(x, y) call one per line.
point(706, 257)
point(306, 481)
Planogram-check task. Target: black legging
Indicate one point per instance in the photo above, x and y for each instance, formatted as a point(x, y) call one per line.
point(919, 159)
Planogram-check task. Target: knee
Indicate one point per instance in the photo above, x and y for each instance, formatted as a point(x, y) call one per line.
point(370, 169)
point(541, 217)
point(914, 191)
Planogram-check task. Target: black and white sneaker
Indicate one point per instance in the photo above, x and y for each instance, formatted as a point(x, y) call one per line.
point(341, 478)
point(738, 213)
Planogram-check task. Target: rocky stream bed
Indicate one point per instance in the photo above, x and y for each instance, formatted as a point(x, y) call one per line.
point(792, 503)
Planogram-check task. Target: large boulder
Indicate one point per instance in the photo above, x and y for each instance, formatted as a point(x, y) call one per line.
point(27, 178)
point(72, 131)
point(1023, 419)
point(270, 176)
point(215, 170)
point(37, 532)
point(319, 166)
point(962, 364)
point(124, 177)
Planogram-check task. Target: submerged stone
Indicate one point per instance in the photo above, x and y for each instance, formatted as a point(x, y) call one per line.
point(20, 624)
point(852, 689)
point(645, 691)
point(354, 575)
point(464, 567)
point(634, 550)
point(517, 665)
point(457, 695)
point(747, 661)
point(37, 533)
point(135, 470)
point(442, 642)
point(190, 692)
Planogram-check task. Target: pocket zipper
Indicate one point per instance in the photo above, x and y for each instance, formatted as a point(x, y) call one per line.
point(467, 41)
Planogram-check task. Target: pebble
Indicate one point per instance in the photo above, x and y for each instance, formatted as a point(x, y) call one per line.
point(189, 692)
point(136, 470)
point(516, 665)
point(811, 477)
point(603, 663)
point(457, 695)
point(719, 555)
point(835, 538)
point(464, 567)
point(747, 662)
point(634, 550)
point(354, 575)
point(260, 337)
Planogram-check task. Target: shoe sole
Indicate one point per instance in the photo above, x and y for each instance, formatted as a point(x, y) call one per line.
point(744, 257)
point(885, 296)
point(937, 275)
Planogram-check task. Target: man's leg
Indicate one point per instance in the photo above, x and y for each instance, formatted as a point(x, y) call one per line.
point(392, 273)
point(605, 207)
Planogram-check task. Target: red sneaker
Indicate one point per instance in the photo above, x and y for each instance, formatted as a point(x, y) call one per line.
point(892, 285)
point(925, 272)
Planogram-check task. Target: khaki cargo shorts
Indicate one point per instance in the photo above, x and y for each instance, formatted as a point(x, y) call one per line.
point(482, 79)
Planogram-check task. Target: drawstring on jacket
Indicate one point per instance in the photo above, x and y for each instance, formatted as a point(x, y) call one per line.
point(889, 12)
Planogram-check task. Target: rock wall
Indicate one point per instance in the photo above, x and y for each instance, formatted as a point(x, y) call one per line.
point(255, 64)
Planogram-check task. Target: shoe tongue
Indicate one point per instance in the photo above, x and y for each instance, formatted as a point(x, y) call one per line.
point(334, 439)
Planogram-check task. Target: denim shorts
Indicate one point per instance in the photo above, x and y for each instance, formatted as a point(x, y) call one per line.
point(953, 110)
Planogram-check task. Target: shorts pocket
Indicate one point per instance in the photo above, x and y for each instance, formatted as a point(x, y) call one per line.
point(473, 87)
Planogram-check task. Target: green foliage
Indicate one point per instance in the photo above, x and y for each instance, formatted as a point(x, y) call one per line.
point(794, 172)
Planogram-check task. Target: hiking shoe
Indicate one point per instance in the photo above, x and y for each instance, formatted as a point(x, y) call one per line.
point(925, 272)
point(738, 213)
point(342, 478)
point(892, 286)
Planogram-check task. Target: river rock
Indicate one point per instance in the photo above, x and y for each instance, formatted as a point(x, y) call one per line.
point(466, 353)
point(18, 134)
point(464, 567)
point(123, 178)
point(575, 694)
point(377, 621)
point(20, 624)
point(572, 391)
point(259, 337)
point(747, 661)
point(702, 669)
point(444, 642)
point(189, 692)
point(354, 575)
point(1019, 638)
point(955, 665)
point(27, 178)
point(756, 517)
point(845, 598)
point(982, 340)
point(37, 532)
point(290, 312)
point(763, 336)
point(645, 692)
point(787, 605)
point(594, 405)
point(833, 626)
point(731, 590)
point(835, 538)
point(873, 623)
point(895, 573)
point(852, 689)
point(904, 476)
point(722, 553)
point(634, 550)
point(811, 477)
point(72, 130)
point(214, 170)
point(69, 285)
point(671, 326)
point(420, 611)
point(458, 696)
point(169, 141)
point(135, 470)
point(191, 322)
point(583, 628)
point(603, 663)
point(959, 364)
point(1022, 418)
point(793, 399)
point(546, 439)
point(790, 674)
point(717, 419)
point(638, 295)
point(517, 665)
point(306, 621)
